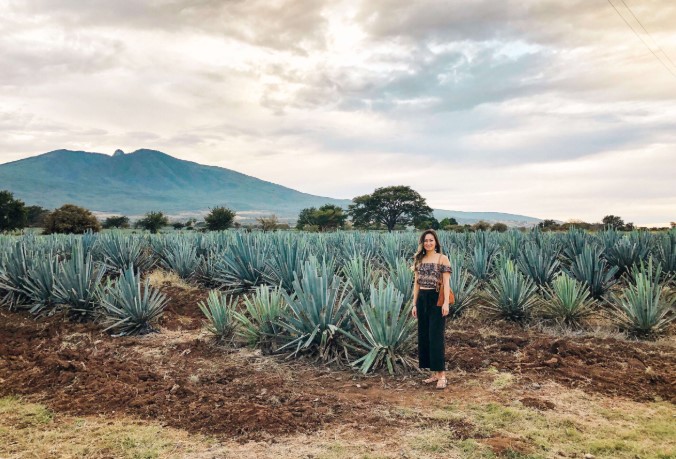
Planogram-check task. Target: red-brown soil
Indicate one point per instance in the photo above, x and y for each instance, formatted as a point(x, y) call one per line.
point(637, 370)
point(185, 380)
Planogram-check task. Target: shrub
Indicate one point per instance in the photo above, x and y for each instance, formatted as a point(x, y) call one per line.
point(219, 218)
point(13, 214)
point(153, 221)
point(71, 219)
point(116, 222)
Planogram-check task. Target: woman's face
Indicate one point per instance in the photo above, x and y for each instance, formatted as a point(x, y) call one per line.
point(429, 243)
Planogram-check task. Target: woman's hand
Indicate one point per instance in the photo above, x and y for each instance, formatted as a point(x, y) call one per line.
point(445, 310)
point(414, 311)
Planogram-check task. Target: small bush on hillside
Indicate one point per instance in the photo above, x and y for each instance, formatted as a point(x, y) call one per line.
point(116, 222)
point(220, 218)
point(153, 221)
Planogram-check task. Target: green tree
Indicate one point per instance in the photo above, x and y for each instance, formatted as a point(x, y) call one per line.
point(499, 227)
point(306, 217)
point(389, 206)
point(220, 218)
point(613, 221)
point(327, 217)
point(116, 222)
point(448, 221)
point(71, 219)
point(153, 221)
point(426, 223)
point(269, 223)
point(481, 225)
point(178, 225)
point(548, 225)
point(13, 214)
point(36, 216)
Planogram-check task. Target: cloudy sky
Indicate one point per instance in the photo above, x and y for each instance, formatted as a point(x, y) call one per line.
point(552, 109)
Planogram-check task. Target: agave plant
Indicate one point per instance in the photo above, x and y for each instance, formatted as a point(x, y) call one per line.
point(14, 263)
point(242, 266)
point(286, 258)
point(538, 264)
point(360, 274)
point(259, 323)
point(391, 249)
point(464, 288)
point(575, 242)
point(180, 256)
point(402, 277)
point(218, 311)
point(480, 263)
point(40, 282)
point(644, 308)
point(78, 282)
point(118, 251)
point(206, 270)
point(385, 332)
point(625, 253)
point(130, 306)
point(318, 308)
point(590, 268)
point(665, 252)
point(509, 294)
point(567, 301)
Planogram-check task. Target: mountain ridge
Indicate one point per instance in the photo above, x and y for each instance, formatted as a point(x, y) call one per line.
point(144, 180)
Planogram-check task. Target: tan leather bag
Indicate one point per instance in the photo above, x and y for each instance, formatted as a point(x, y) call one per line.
point(441, 288)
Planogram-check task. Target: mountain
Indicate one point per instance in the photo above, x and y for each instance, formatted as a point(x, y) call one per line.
point(135, 183)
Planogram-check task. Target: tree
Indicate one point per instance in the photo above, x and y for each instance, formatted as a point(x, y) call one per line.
point(389, 206)
point(448, 221)
point(71, 219)
point(36, 216)
point(13, 214)
point(613, 221)
point(481, 226)
point(116, 222)
point(178, 225)
point(268, 223)
point(153, 221)
point(499, 227)
point(426, 223)
point(220, 218)
point(548, 225)
point(327, 217)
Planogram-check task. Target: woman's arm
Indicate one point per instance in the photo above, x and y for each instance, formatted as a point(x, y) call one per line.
point(416, 287)
point(446, 280)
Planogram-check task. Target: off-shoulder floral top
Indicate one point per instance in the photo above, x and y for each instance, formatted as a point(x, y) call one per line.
point(430, 273)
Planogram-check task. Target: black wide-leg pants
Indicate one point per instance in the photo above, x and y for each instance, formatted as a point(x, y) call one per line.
point(430, 331)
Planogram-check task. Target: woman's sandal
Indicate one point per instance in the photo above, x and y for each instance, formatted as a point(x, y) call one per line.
point(442, 383)
point(430, 380)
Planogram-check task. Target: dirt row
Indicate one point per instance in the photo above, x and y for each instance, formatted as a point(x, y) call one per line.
point(183, 379)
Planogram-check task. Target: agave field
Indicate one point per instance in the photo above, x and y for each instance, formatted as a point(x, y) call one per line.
point(580, 309)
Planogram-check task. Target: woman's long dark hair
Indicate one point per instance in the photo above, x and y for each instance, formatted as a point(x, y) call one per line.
point(420, 254)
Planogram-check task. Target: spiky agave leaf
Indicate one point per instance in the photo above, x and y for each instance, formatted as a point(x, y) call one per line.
point(287, 255)
point(539, 264)
point(590, 268)
point(78, 281)
point(259, 323)
point(402, 277)
point(480, 262)
point(360, 274)
point(665, 252)
point(14, 263)
point(386, 330)
point(218, 311)
point(510, 294)
point(40, 282)
point(567, 301)
point(318, 307)
point(180, 256)
point(464, 287)
point(130, 306)
point(625, 253)
point(644, 307)
point(243, 264)
point(118, 250)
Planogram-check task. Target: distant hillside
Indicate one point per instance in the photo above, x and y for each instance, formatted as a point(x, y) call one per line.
point(135, 183)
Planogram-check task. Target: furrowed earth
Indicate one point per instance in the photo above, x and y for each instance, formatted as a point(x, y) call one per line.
point(513, 392)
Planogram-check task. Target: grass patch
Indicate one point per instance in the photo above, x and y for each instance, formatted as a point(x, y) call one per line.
point(31, 430)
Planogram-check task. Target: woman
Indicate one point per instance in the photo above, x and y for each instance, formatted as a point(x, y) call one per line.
point(431, 267)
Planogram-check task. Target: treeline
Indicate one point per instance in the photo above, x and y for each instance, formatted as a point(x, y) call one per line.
point(388, 208)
